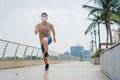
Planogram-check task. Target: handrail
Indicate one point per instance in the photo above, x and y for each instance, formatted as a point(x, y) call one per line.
point(13, 50)
point(16, 43)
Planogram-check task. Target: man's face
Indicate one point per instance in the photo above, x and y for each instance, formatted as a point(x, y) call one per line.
point(44, 17)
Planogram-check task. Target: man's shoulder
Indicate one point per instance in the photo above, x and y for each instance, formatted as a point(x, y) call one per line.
point(39, 24)
point(50, 24)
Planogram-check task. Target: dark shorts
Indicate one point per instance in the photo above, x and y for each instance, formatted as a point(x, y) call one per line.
point(42, 46)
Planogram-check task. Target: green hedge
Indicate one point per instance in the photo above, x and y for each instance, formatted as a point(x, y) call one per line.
point(97, 53)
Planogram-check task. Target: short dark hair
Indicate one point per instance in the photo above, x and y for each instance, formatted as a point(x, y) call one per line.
point(44, 14)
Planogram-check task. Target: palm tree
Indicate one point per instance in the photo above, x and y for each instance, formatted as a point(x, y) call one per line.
point(95, 22)
point(109, 12)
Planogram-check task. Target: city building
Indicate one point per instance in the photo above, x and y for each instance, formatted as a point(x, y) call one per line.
point(87, 54)
point(67, 53)
point(78, 51)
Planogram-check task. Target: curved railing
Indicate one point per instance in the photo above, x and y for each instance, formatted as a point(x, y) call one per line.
point(13, 50)
point(14, 54)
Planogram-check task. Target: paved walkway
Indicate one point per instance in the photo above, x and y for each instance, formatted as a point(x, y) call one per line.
point(63, 71)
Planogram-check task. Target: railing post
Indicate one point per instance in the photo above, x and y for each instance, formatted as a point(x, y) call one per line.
point(37, 54)
point(53, 55)
point(31, 54)
point(25, 52)
point(16, 51)
point(5, 50)
point(50, 57)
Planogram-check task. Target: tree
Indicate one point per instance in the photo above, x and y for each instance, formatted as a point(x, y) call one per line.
point(109, 13)
point(95, 22)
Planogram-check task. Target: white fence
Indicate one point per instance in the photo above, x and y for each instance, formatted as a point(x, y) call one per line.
point(110, 62)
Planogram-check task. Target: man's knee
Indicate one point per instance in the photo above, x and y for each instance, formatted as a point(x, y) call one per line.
point(45, 40)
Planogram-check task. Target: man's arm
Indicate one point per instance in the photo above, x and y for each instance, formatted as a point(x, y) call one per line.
point(36, 30)
point(53, 32)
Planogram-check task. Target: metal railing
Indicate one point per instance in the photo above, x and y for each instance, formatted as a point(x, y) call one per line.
point(15, 51)
point(12, 50)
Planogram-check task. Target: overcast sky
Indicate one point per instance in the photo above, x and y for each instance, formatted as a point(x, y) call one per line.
point(18, 19)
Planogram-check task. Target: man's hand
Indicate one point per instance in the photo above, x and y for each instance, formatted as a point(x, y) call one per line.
point(35, 32)
point(54, 40)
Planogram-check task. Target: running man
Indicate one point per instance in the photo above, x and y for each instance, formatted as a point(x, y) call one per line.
point(44, 29)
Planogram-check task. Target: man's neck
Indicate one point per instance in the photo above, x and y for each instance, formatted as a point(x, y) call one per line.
point(44, 22)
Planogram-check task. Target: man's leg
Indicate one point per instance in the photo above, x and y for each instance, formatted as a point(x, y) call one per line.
point(46, 41)
point(45, 44)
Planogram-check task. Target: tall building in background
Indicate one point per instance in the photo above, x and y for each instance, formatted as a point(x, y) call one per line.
point(78, 51)
point(87, 54)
